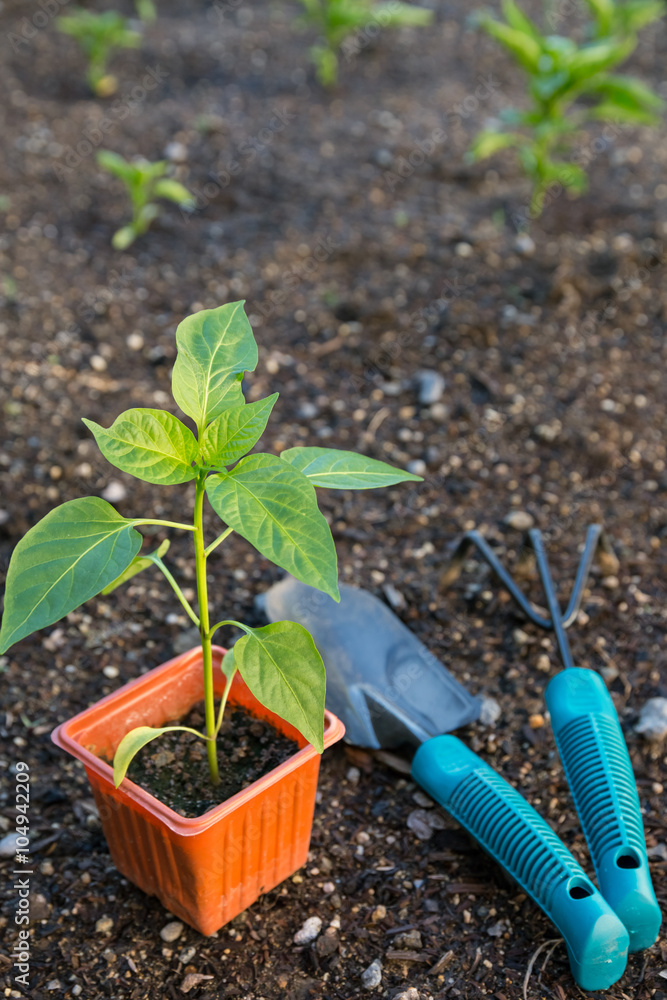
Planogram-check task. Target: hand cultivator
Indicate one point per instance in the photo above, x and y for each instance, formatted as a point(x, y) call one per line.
point(595, 759)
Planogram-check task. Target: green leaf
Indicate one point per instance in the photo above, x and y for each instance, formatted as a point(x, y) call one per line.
point(274, 507)
point(487, 143)
point(283, 669)
point(592, 59)
point(235, 432)
point(215, 347)
point(344, 470)
point(516, 18)
point(138, 564)
point(124, 237)
point(152, 445)
point(627, 92)
point(67, 558)
point(173, 191)
point(132, 743)
point(523, 47)
point(115, 164)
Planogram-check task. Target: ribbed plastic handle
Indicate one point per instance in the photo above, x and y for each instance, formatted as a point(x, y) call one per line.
point(598, 770)
point(519, 839)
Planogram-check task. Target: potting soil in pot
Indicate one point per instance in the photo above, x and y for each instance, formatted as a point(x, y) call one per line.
point(174, 768)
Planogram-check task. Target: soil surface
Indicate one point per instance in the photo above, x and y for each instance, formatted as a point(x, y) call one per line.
point(368, 251)
point(175, 768)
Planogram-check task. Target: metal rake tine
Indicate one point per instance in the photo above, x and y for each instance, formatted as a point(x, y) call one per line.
point(453, 571)
point(557, 619)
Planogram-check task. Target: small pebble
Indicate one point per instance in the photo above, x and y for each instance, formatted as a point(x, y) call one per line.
point(520, 637)
point(497, 930)
point(114, 492)
point(171, 931)
point(309, 931)
point(104, 925)
point(463, 250)
point(176, 152)
point(77, 990)
point(431, 386)
point(423, 800)
point(520, 520)
point(653, 719)
point(378, 914)
point(410, 994)
point(610, 582)
point(410, 939)
point(363, 837)
point(423, 823)
point(543, 663)
point(110, 671)
point(372, 976)
point(353, 775)
point(327, 943)
point(328, 888)
point(490, 712)
point(54, 984)
point(417, 467)
point(536, 721)
point(524, 245)
point(395, 597)
point(8, 845)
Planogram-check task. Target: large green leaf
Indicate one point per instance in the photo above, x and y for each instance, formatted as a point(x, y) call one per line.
point(132, 742)
point(274, 507)
point(152, 445)
point(235, 432)
point(344, 470)
point(68, 557)
point(283, 669)
point(138, 564)
point(215, 347)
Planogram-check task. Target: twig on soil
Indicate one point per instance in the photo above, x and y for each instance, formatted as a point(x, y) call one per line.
point(545, 944)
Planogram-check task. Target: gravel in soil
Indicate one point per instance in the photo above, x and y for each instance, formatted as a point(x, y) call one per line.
point(365, 261)
point(175, 768)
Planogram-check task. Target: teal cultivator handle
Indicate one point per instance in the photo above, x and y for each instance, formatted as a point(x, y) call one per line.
point(598, 770)
point(520, 840)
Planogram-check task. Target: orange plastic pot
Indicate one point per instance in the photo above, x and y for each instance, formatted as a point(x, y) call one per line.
point(209, 868)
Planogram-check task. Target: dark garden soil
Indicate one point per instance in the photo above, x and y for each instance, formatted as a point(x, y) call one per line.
point(368, 250)
point(175, 769)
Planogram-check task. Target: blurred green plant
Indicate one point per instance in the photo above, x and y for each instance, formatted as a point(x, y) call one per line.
point(146, 10)
point(339, 21)
point(569, 85)
point(98, 35)
point(144, 181)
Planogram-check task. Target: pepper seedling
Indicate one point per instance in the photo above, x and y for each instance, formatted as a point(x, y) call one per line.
point(85, 547)
point(561, 72)
point(98, 35)
point(339, 21)
point(143, 181)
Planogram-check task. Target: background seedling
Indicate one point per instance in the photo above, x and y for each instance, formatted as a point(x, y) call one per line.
point(569, 84)
point(98, 35)
point(143, 181)
point(338, 21)
point(85, 547)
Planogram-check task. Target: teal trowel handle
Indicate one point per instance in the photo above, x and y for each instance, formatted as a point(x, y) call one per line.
point(520, 840)
point(598, 770)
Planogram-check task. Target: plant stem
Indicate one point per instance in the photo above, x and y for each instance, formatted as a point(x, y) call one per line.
point(167, 524)
point(217, 541)
point(202, 597)
point(223, 702)
point(177, 590)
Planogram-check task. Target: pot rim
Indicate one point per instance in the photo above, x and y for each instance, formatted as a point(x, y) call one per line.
point(63, 737)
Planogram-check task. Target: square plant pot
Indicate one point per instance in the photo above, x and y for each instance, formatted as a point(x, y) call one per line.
point(209, 868)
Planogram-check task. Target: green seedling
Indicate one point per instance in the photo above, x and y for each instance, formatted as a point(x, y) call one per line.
point(146, 10)
point(98, 35)
point(144, 181)
point(569, 85)
point(350, 25)
point(85, 547)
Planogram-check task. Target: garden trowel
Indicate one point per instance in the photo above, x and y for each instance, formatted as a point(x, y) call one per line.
point(389, 690)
